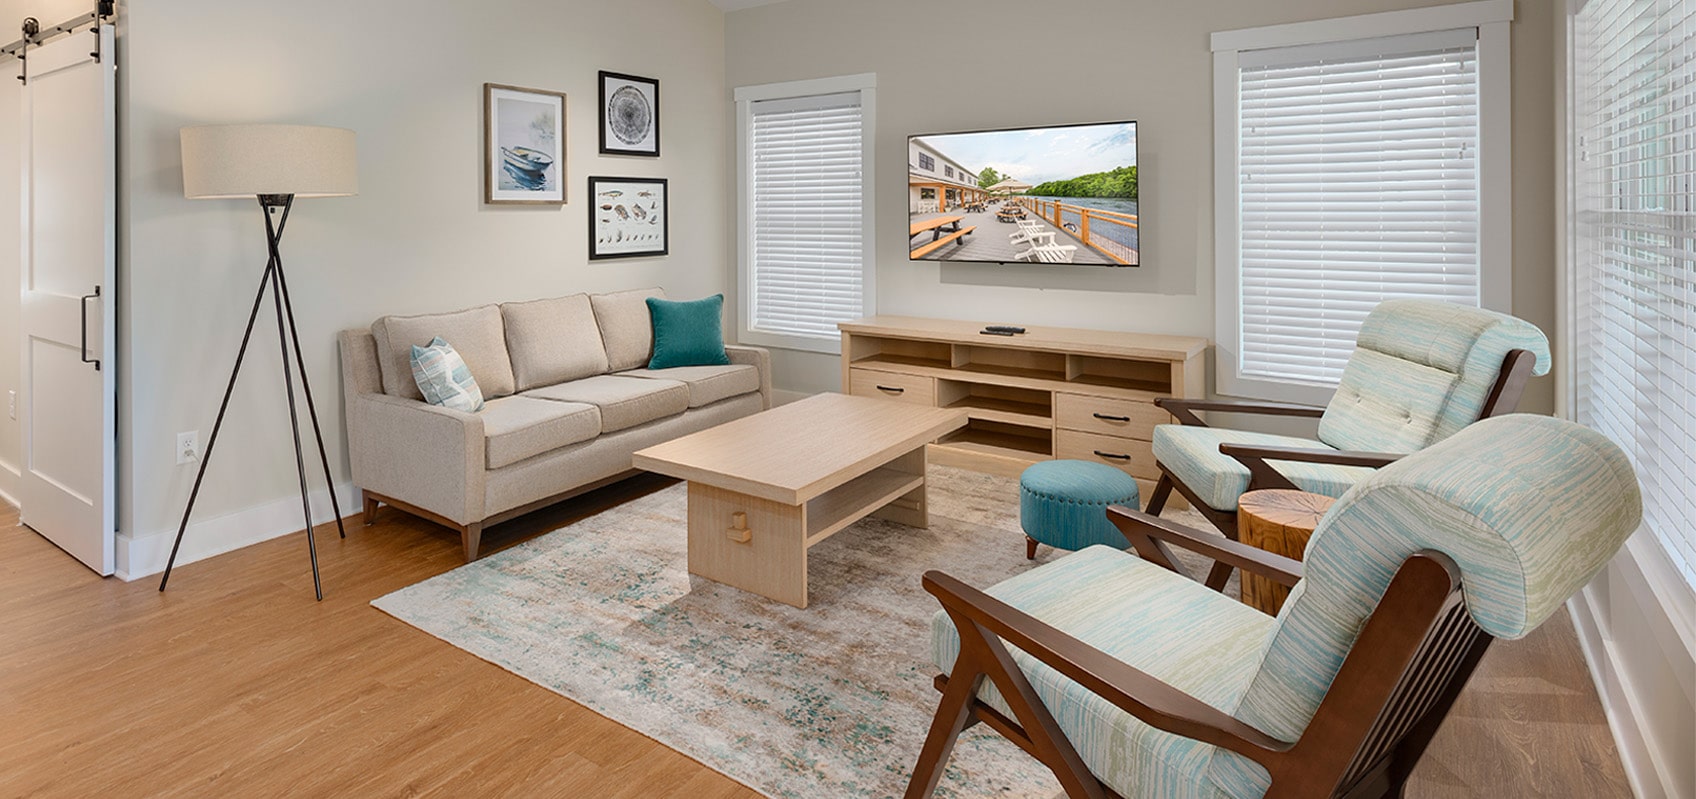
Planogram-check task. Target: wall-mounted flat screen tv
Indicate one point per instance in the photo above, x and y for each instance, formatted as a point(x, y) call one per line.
point(1065, 194)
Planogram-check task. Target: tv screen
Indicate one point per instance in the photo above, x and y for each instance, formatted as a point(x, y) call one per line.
point(1065, 194)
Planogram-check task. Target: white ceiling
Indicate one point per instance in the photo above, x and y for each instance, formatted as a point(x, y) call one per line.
point(738, 5)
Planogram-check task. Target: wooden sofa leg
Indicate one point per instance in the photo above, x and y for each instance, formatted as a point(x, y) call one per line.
point(370, 508)
point(471, 535)
point(1030, 548)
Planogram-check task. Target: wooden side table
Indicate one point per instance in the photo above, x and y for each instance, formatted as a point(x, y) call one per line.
point(1278, 521)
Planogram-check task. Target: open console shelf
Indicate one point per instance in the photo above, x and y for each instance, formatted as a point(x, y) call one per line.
point(1049, 393)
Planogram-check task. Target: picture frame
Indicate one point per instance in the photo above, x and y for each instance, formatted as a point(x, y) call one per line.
point(524, 146)
point(630, 115)
point(629, 217)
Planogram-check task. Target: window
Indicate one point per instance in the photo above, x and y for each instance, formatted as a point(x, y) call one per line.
point(926, 162)
point(805, 210)
point(1633, 258)
point(1358, 160)
point(948, 171)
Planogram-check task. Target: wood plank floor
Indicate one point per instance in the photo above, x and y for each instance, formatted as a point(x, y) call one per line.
point(236, 683)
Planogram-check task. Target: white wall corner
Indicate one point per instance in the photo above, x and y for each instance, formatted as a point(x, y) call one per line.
point(145, 555)
point(1632, 632)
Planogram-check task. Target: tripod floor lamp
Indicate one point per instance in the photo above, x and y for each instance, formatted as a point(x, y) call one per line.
point(275, 164)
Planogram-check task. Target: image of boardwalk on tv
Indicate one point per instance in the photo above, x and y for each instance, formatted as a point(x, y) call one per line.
point(1054, 195)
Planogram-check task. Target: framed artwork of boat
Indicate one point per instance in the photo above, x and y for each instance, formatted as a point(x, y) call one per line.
point(630, 115)
point(524, 133)
point(628, 218)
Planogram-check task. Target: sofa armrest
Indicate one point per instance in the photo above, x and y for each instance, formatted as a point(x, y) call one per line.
point(421, 454)
point(757, 357)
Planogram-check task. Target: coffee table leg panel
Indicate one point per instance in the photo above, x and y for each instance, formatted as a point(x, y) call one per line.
point(771, 563)
point(909, 508)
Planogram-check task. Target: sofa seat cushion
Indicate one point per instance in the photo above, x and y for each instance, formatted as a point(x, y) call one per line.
point(477, 334)
point(1192, 455)
point(515, 428)
point(707, 384)
point(624, 401)
point(1201, 642)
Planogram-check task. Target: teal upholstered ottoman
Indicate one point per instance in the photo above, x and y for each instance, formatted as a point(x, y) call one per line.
point(1064, 504)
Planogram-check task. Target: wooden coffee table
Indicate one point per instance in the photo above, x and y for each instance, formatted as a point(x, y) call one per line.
point(765, 488)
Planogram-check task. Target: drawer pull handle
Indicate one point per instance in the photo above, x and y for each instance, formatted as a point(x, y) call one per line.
point(892, 389)
point(1104, 417)
point(1113, 456)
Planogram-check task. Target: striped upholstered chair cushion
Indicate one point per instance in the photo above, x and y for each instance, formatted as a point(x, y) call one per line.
point(1529, 508)
point(1420, 372)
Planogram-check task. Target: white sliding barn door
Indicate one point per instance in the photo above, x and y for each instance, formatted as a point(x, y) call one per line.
point(68, 403)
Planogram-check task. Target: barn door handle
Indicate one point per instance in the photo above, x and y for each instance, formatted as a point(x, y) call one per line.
point(84, 304)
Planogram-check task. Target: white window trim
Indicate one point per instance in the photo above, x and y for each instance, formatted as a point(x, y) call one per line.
point(1495, 138)
point(745, 97)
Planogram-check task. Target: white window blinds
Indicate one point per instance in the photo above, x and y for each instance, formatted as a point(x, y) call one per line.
point(1358, 182)
point(1635, 256)
point(807, 259)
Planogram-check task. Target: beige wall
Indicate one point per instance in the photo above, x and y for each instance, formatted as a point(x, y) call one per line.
point(969, 64)
point(417, 238)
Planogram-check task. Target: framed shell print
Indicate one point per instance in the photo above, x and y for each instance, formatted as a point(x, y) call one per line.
point(628, 217)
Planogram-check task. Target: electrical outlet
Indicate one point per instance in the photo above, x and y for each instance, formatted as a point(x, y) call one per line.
point(188, 447)
point(12, 405)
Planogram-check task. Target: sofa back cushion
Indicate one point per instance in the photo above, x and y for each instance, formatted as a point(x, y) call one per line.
point(477, 334)
point(552, 341)
point(626, 329)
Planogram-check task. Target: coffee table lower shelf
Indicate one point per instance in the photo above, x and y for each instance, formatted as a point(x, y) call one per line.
point(760, 545)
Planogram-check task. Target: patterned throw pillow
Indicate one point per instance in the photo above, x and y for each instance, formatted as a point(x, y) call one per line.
point(443, 378)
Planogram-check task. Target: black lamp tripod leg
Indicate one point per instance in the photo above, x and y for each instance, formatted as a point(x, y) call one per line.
point(294, 416)
point(206, 456)
point(306, 388)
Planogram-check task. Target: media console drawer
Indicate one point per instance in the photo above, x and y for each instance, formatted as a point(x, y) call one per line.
point(916, 389)
point(1107, 415)
point(1130, 454)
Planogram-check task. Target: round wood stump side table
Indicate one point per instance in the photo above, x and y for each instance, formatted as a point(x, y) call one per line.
point(1278, 521)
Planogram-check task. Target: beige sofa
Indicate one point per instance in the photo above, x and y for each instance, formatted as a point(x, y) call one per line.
point(568, 400)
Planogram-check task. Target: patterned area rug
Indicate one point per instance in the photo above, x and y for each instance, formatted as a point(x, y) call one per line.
point(833, 700)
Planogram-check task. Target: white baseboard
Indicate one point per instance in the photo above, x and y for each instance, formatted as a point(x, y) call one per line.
point(1630, 639)
point(10, 477)
point(144, 555)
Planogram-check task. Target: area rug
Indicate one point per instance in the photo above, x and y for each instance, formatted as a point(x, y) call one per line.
point(831, 701)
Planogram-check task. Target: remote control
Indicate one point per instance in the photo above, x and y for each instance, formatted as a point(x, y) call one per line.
point(1007, 329)
point(987, 332)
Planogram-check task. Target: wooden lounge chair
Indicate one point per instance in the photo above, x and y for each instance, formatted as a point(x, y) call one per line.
point(1127, 679)
point(1421, 371)
point(1049, 253)
point(1031, 232)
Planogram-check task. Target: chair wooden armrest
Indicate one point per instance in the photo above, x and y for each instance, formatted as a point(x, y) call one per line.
point(1263, 475)
point(1184, 409)
point(1131, 690)
point(1149, 535)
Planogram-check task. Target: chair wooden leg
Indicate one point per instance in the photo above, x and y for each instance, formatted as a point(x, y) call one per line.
point(1162, 492)
point(952, 716)
point(984, 652)
point(471, 536)
point(1030, 548)
point(370, 516)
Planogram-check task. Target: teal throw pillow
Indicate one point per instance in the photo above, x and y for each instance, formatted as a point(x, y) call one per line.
point(687, 333)
point(443, 377)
